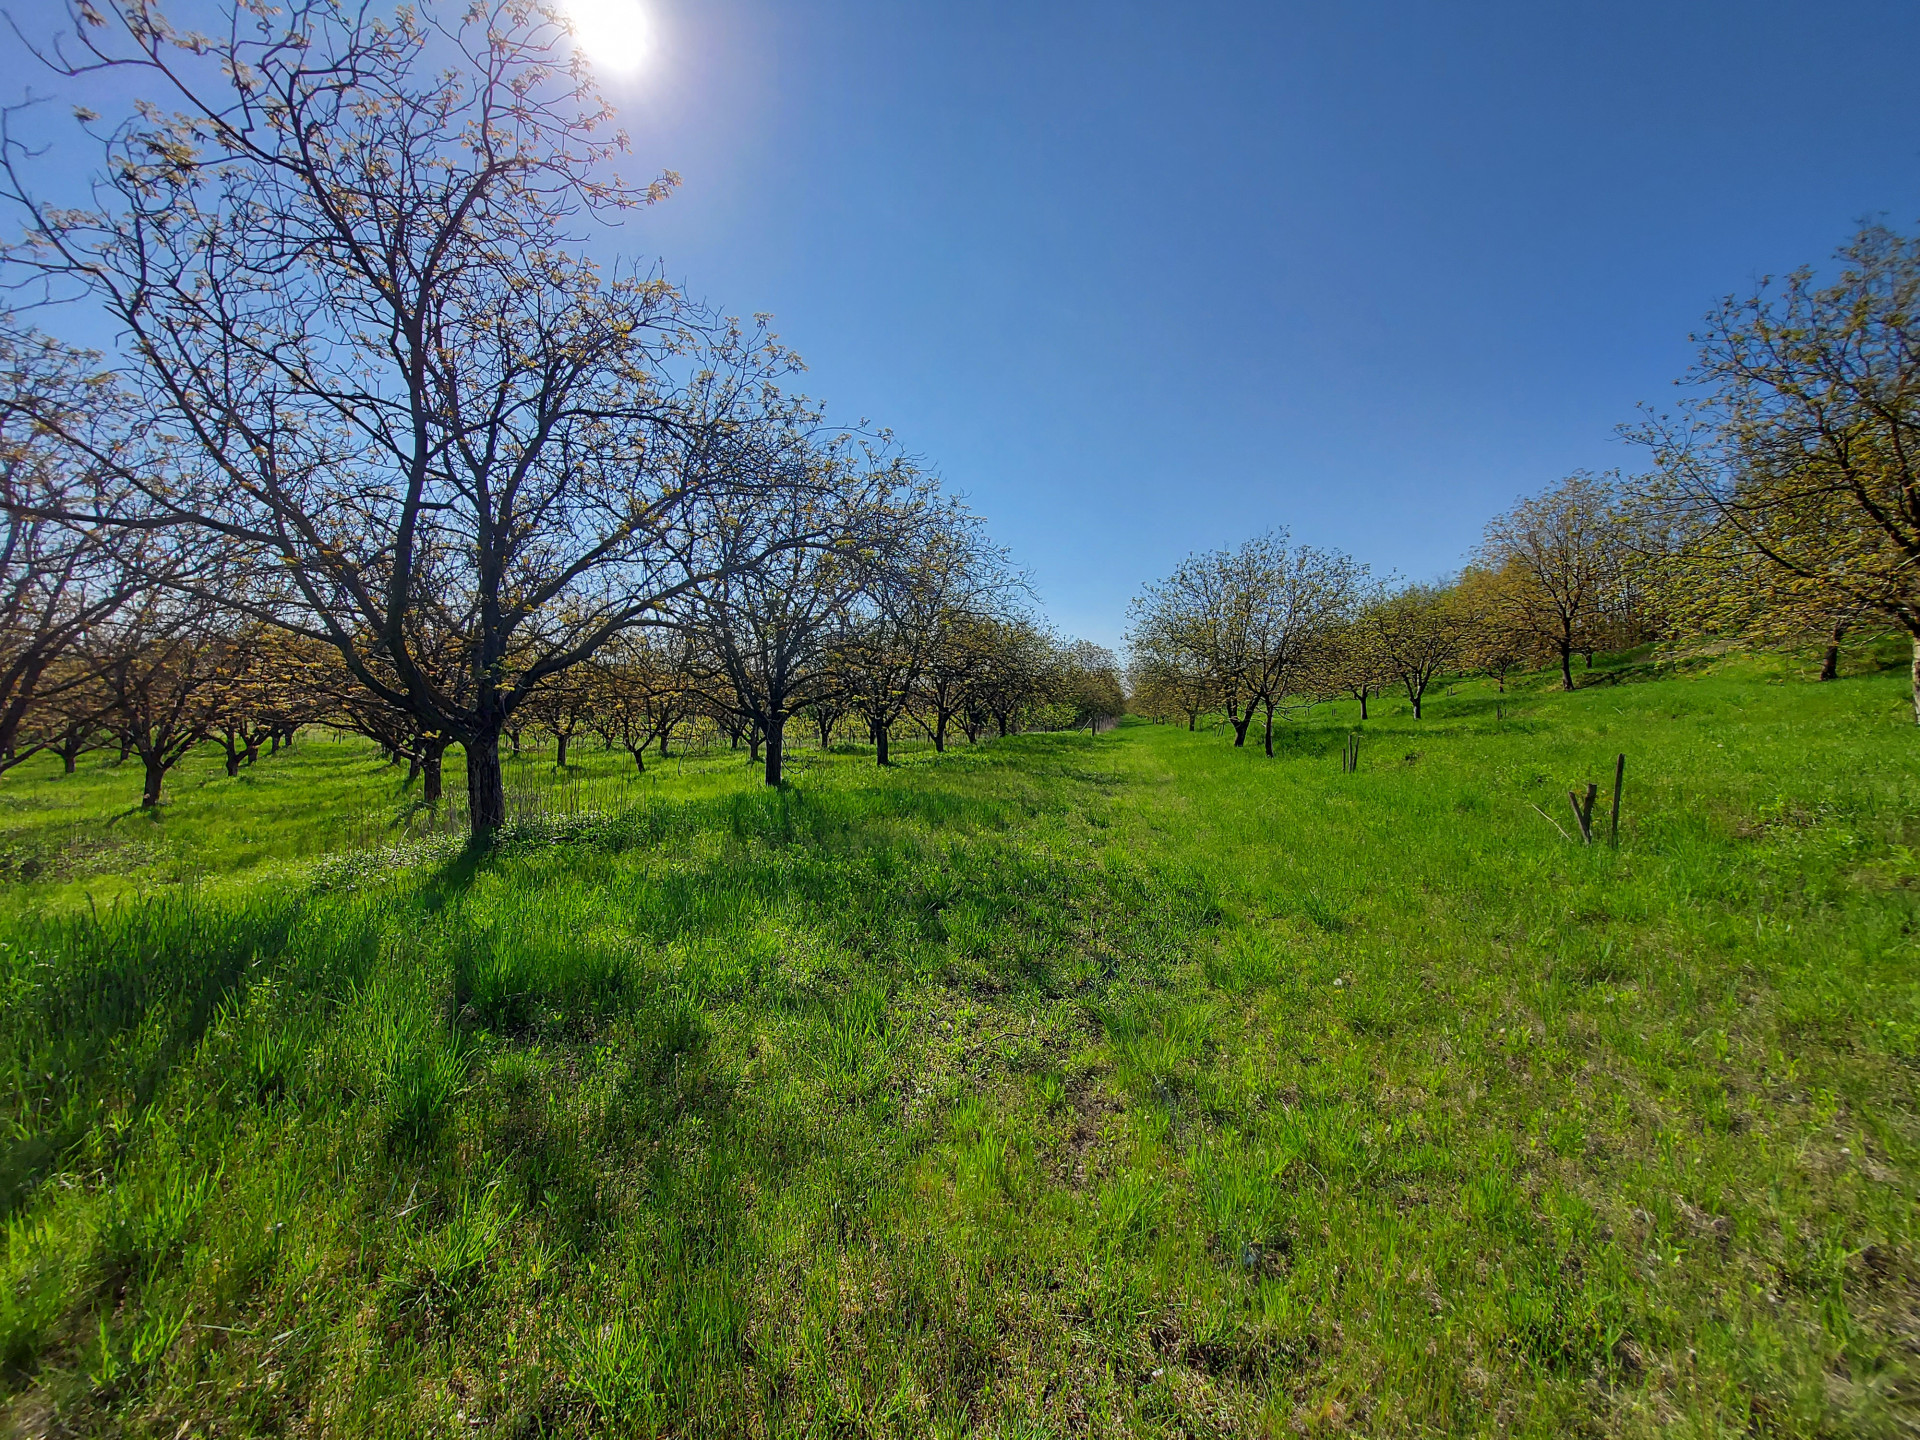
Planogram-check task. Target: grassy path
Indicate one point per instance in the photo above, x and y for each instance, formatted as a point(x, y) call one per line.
point(1065, 1086)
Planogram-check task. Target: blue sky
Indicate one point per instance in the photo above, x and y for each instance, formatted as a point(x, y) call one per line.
point(1142, 279)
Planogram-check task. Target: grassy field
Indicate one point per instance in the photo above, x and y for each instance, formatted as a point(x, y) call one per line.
point(1119, 1086)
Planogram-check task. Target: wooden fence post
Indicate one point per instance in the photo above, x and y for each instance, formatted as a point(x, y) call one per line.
point(1583, 812)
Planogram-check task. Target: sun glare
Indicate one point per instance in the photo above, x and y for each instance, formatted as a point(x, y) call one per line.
point(617, 35)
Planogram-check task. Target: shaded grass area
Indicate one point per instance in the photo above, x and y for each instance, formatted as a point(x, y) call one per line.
point(1130, 1085)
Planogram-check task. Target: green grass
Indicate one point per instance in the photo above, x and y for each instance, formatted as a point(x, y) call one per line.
point(1121, 1086)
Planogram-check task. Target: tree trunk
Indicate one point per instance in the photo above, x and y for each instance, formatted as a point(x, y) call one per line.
point(640, 758)
point(1269, 732)
point(157, 767)
point(1193, 723)
point(880, 731)
point(1363, 704)
point(253, 748)
point(66, 759)
point(486, 794)
point(776, 743)
point(940, 733)
point(1240, 728)
point(413, 767)
point(663, 739)
point(430, 768)
point(560, 749)
point(1566, 667)
point(1416, 705)
point(233, 761)
point(1916, 679)
point(753, 743)
point(1830, 662)
point(273, 743)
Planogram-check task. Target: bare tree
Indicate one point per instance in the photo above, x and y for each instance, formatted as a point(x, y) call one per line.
point(1300, 597)
point(791, 564)
point(342, 252)
point(1201, 620)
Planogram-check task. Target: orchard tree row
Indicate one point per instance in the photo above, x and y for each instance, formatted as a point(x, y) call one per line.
point(1782, 502)
point(378, 440)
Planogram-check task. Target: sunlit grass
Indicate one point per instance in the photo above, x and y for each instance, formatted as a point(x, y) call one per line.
point(1128, 1086)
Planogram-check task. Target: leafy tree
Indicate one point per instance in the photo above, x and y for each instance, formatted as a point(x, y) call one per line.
point(1798, 467)
point(1496, 637)
point(163, 661)
point(1557, 553)
point(58, 580)
point(1418, 632)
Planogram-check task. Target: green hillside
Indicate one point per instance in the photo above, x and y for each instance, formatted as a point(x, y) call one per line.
point(1129, 1085)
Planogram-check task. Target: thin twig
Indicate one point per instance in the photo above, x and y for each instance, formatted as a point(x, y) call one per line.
point(1555, 824)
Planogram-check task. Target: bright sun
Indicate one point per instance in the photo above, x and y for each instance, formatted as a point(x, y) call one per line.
point(616, 34)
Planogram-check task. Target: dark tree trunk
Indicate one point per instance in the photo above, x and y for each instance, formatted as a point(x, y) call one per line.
point(753, 743)
point(1363, 704)
point(1830, 662)
point(663, 739)
point(776, 743)
point(413, 767)
point(233, 761)
point(880, 731)
point(1193, 723)
point(560, 739)
point(940, 734)
point(273, 743)
point(430, 768)
point(126, 748)
point(1269, 736)
point(640, 758)
point(156, 777)
point(253, 748)
point(1566, 667)
point(1240, 728)
point(486, 793)
point(67, 759)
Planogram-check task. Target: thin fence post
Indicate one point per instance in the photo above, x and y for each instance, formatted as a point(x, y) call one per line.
point(1584, 812)
point(1619, 775)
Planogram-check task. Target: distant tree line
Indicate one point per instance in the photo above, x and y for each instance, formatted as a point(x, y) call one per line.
point(1783, 503)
